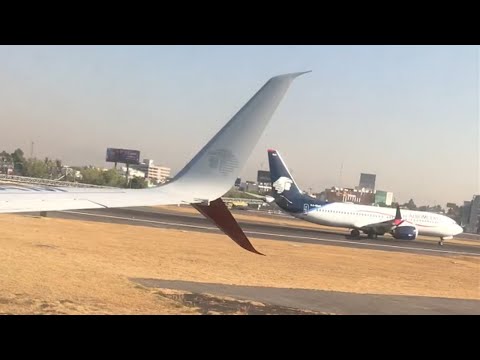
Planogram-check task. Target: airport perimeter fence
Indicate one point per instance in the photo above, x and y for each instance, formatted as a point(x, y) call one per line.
point(16, 179)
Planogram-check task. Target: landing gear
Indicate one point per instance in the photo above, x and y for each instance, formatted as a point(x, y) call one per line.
point(355, 233)
point(440, 242)
point(372, 234)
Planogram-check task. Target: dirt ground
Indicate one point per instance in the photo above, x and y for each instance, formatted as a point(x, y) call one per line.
point(63, 266)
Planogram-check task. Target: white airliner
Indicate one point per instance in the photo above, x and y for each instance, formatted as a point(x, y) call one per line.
point(371, 220)
point(201, 183)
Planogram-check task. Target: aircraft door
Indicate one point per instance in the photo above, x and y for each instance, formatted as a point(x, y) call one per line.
point(305, 208)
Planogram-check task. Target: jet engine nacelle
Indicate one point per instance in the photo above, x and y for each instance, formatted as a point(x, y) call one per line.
point(405, 232)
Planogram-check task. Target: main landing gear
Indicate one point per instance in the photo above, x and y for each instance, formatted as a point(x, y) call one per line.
point(440, 242)
point(355, 233)
point(372, 234)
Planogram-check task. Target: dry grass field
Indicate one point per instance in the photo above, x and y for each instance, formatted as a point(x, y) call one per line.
point(61, 266)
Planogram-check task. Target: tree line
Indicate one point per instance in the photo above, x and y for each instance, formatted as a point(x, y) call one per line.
point(54, 170)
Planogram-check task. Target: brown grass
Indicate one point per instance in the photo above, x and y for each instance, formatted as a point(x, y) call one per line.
point(63, 266)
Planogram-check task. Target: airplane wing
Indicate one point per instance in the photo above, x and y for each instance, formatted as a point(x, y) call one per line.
point(383, 226)
point(209, 175)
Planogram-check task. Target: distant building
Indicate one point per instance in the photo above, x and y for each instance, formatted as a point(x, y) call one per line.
point(467, 206)
point(6, 169)
point(238, 182)
point(154, 173)
point(367, 181)
point(264, 181)
point(69, 171)
point(385, 197)
point(133, 172)
point(356, 196)
point(322, 196)
point(248, 186)
point(473, 225)
point(263, 176)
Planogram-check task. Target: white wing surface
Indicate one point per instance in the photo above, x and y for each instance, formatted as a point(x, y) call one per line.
point(208, 176)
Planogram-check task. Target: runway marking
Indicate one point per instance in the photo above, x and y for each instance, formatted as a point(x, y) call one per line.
point(142, 220)
point(367, 244)
point(279, 235)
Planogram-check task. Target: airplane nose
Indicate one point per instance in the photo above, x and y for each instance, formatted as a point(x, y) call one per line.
point(458, 230)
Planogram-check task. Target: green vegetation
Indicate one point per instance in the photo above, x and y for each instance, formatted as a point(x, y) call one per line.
point(53, 170)
point(234, 193)
point(138, 183)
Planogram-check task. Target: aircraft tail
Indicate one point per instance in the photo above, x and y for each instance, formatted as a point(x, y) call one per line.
point(285, 190)
point(283, 184)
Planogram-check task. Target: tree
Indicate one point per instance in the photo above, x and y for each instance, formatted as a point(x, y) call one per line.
point(138, 183)
point(452, 206)
point(18, 161)
point(455, 212)
point(35, 168)
point(437, 208)
point(92, 176)
point(100, 177)
point(17, 156)
point(410, 205)
point(6, 156)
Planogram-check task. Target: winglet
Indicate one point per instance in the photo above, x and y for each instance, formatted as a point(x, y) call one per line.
point(218, 213)
point(212, 172)
point(398, 217)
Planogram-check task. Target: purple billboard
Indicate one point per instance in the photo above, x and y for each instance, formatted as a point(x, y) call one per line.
point(124, 156)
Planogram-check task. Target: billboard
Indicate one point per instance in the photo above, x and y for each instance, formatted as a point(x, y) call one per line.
point(124, 156)
point(263, 177)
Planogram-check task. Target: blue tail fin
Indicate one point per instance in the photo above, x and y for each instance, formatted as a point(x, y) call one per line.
point(285, 190)
point(283, 183)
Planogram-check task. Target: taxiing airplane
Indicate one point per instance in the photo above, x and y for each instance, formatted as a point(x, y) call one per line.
point(371, 220)
point(201, 183)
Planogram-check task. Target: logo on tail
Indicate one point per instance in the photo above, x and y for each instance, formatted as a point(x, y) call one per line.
point(283, 183)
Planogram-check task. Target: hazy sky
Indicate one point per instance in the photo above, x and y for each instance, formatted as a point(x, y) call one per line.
point(409, 114)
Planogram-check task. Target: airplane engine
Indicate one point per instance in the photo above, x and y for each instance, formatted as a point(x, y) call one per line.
point(405, 232)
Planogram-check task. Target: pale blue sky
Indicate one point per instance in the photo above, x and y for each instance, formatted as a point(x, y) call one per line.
point(407, 113)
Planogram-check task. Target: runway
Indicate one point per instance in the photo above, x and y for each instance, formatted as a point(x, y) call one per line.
point(325, 302)
point(171, 219)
